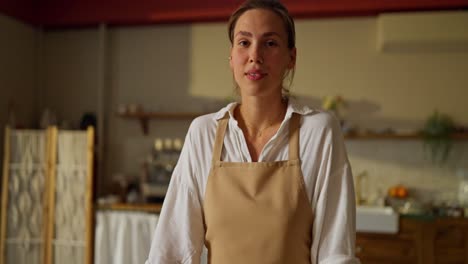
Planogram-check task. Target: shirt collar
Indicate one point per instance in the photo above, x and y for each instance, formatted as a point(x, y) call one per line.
point(293, 107)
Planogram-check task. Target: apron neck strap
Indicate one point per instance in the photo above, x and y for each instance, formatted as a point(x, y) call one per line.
point(219, 140)
point(294, 125)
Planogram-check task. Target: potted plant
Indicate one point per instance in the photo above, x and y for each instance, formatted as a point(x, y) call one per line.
point(437, 136)
point(336, 105)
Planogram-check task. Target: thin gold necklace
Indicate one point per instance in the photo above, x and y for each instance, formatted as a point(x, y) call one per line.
point(260, 133)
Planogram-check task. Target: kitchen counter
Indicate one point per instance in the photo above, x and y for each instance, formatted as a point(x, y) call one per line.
point(421, 239)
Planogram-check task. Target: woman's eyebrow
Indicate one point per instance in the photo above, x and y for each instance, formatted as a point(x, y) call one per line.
point(248, 34)
point(269, 34)
point(244, 33)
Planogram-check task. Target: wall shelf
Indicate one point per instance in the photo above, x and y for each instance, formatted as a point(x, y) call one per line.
point(145, 117)
point(371, 136)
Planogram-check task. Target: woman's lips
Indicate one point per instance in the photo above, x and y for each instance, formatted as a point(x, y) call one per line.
point(255, 75)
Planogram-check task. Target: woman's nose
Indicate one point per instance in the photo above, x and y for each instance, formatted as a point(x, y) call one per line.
point(256, 55)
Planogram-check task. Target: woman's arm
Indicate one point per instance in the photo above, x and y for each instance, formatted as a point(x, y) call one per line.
point(334, 227)
point(180, 232)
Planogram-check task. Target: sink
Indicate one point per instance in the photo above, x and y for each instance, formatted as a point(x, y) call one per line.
point(376, 219)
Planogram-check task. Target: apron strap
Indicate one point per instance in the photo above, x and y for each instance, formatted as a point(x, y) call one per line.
point(219, 140)
point(294, 125)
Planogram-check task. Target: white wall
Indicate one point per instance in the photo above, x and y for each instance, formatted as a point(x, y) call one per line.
point(339, 56)
point(69, 73)
point(148, 66)
point(185, 68)
point(17, 73)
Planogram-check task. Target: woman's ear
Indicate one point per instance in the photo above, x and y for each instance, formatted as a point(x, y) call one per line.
point(292, 62)
point(230, 59)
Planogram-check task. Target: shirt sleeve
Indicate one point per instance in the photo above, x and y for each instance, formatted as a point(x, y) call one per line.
point(180, 231)
point(334, 227)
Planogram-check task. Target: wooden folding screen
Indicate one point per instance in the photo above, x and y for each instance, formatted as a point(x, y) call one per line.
point(23, 195)
point(47, 197)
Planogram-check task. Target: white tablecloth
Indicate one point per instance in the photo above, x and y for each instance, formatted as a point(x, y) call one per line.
point(123, 237)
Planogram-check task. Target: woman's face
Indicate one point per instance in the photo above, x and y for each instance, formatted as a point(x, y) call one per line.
point(260, 55)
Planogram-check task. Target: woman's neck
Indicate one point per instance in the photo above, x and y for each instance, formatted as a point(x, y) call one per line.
point(258, 114)
point(259, 119)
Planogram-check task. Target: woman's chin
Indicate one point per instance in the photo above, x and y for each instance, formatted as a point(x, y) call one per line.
point(255, 89)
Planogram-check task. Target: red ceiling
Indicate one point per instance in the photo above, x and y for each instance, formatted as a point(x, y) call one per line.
point(20, 9)
point(71, 13)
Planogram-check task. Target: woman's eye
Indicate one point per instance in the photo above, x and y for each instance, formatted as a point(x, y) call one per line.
point(271, 43)
point(243, 43)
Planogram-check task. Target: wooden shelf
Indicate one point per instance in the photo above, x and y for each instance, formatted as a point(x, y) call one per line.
point(150, 208)
point(145, 117)
point(162, 115)
point(455, 136)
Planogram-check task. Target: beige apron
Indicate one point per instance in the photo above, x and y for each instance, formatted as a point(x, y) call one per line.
point(257, 212)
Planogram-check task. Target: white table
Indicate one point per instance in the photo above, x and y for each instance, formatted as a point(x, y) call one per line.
point(123, 237)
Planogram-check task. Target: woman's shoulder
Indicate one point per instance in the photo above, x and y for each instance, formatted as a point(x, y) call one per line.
point(320, 119)
point(208, 122)
point(322, 128)
point(203, 124)
point(312, 118)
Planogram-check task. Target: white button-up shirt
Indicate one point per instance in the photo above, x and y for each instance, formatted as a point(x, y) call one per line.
point(179, 235)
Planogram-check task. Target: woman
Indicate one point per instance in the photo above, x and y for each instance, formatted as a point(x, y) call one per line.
point(265, 180)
